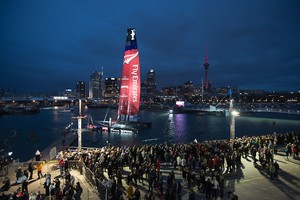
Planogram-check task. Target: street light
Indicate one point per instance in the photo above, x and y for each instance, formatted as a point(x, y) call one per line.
point(233, 115)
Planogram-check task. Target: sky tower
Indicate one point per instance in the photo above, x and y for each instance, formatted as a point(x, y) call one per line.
point(206, 65)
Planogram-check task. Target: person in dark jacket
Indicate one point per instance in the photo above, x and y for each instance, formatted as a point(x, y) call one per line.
point(137, 194)
point(192, 195)
point(276, 165)
point(78, 191)
point(208, 187)
point(179, 188)
point(30, 169)
point(6, 184)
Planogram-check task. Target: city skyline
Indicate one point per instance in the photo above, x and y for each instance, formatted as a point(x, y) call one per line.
point(50, 46)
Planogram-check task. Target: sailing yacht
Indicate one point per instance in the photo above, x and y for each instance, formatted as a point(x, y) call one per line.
point(130, 89)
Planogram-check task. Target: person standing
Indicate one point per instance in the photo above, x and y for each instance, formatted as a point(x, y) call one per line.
point(129, 191)
point(47, 184)
point(272, 170)
point(160, 183)
point(178, 190)
point(137, 194)
point(6, 185)
point(53, 191)
point(39, 169)
point(178, 160)
point(276, 165)
point(78, 191)
point(208, 187)
point(215, 188)
point(61, 166)
point(222, 186)
point(24, 186)
point(66, 165)
point(30, 169)
point(192, 195)
point(119, 178)
point(18, 174)
point(57, 183)
point(59, 194)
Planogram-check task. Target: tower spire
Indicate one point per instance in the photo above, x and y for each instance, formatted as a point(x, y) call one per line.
point(206, 65)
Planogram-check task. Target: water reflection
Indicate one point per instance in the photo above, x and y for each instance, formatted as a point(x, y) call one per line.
point(48, 125)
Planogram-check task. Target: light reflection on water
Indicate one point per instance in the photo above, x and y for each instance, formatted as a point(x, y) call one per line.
point(48, 125)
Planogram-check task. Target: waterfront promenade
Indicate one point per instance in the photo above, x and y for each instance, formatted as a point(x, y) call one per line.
point(249, 181)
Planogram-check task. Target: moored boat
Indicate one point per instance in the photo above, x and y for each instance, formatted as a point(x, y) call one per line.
point(65, 110)
point(10, 109)
point(130, 89)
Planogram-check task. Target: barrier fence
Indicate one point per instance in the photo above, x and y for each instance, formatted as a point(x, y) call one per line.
point(89, 175)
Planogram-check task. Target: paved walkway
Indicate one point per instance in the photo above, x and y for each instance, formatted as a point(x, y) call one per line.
point(255, 183)
point(249, 182)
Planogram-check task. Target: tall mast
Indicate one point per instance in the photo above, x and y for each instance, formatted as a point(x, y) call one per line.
point(79, 129)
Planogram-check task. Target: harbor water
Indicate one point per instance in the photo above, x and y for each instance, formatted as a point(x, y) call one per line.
point(37, 131)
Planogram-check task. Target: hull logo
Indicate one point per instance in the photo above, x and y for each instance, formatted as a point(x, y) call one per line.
point(130, 57)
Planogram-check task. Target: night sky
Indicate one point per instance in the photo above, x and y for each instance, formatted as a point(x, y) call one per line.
point(48, 46)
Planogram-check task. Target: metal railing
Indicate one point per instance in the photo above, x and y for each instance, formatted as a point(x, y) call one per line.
point(89, 175)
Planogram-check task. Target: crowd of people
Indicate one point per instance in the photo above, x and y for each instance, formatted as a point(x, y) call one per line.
point(202, 165)
point(54, 190)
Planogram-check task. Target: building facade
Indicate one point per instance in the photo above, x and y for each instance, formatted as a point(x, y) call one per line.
point(151, 84)
point(80, 89)
point(96, 85)
point(112, 88)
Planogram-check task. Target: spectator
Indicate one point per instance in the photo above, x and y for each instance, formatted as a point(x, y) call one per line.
point(6, 184)
point(129, 191)
point(137, 194)
point(78, 191)
point(39, 170)
point(30, 169)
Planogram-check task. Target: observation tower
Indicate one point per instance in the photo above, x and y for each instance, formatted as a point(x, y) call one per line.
point(206, 65)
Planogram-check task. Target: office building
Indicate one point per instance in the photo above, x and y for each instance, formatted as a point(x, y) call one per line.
point(80, 89)
point(96, 85)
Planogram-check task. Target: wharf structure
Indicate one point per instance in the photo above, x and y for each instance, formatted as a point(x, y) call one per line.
point(288, 108)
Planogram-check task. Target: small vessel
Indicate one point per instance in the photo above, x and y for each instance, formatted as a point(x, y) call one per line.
point(10, 109)
point(91, 126)
point(98, 105)
point(124, 130)
point(64, 110)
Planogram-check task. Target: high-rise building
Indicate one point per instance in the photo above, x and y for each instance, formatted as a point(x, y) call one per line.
point(112, 87)
point(96, 85)
point(188, 91)
point(151, 84)
point(80, 89)
point(143, 91)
